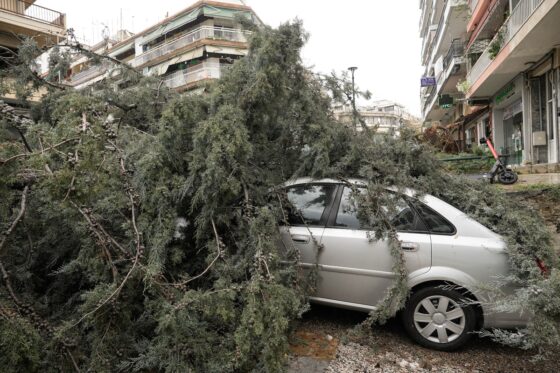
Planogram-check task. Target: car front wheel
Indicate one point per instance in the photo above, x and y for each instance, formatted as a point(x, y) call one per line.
point(439, 318)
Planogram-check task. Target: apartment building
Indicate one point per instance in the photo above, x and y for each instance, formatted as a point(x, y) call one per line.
point(184, 50)
point(506, 73)
point(442, 30)
point(24, 18)
point(513, 66)
point(387, 116)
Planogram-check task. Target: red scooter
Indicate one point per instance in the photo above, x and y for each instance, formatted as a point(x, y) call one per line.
point(505, 175)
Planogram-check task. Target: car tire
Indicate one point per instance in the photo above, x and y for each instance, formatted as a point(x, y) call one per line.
point(439, 318)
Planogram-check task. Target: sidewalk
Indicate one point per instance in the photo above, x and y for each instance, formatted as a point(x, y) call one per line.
point(534, 179)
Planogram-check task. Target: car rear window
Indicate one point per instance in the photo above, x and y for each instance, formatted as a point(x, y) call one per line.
point(436, 223)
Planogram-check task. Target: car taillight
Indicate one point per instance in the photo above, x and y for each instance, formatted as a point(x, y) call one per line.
point(542, 266)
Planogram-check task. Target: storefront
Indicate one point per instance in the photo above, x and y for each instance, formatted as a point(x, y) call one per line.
point(508, 119)
point(544, 102)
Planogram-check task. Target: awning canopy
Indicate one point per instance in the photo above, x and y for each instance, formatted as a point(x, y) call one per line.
point(162, 67)
point(226, 50)
point(210, 11)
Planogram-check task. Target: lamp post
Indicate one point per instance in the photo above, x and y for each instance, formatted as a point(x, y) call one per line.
point(352, 70)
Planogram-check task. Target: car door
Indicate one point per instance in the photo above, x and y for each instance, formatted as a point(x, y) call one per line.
point(356, 271)
point(307, 216)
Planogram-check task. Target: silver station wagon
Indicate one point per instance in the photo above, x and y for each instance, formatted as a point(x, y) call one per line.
point(448, 256)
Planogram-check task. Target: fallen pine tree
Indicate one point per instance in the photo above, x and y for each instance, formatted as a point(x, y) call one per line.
point(139, 232)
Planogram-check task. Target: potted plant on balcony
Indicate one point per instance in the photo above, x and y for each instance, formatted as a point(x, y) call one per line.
point(496, 45)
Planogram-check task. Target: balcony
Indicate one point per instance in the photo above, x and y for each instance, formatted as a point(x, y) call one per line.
point(204, 32)
point(452, 71)
point(527, 34)
point(87, 75)
point(35, 12)
point(18, 17)
point(451, 26)
point(204, 71)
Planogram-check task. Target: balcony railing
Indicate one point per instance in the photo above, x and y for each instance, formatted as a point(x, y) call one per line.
point(84, 76)
point(32, 11)
point(518, 17)
point(184, 77)
point(204, 32)
point(457, 49)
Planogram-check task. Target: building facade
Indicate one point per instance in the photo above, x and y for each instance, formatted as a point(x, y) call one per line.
point(19, 19)
point(513, 64)
point(509, 88)
point(193, 46)
point(442, 30)
point(386, 116)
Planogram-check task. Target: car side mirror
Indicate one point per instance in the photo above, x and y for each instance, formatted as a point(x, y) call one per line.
point(482, 140)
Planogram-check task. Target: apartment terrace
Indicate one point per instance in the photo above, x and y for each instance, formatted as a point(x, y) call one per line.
point(185, 79)
point(179, 44)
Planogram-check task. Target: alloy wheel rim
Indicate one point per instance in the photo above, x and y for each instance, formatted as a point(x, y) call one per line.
point(439, 319)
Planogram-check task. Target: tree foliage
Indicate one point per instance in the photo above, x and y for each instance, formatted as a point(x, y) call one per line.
point(141, 230)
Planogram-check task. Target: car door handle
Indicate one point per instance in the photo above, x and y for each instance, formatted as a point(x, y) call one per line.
point(409, 246)
point(301, 238)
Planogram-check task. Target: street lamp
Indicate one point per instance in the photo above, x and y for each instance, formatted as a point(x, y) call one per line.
point(352, 70)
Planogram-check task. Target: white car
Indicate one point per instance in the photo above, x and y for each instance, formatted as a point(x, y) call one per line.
point(448, 256)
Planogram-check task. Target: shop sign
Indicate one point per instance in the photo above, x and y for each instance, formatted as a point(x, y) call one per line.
point(445, 101)
point(427, 81)
point(505, 93)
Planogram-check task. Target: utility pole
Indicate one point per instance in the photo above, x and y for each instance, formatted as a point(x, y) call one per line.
point(354, 112)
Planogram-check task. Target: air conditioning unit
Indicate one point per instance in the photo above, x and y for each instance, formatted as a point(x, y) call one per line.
point(539, 138)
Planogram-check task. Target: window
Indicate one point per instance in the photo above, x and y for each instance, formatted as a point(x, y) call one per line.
point(309, 202)
point(436, 223)
point(347, 216)
point(403, 218)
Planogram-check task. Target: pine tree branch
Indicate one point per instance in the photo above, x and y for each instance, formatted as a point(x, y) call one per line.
point(218, 255)
point(23, 155)
point(16, 220)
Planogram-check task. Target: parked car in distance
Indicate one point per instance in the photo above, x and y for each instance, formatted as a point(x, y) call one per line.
point(447, 254)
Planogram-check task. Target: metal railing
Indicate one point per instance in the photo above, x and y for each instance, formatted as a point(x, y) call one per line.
point(443, 20)
point(518, 17)
point(183, 77)
point(36, 12)
point(84, 76)
point(457, 49)
point(204, 32)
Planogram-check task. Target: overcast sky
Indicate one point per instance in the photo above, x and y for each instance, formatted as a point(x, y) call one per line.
point(380, 37)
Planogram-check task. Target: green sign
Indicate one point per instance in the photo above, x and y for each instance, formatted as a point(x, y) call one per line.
point(445, 101)
point(505, 93)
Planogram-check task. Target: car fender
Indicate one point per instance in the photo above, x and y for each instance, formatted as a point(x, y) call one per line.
point(441, 273)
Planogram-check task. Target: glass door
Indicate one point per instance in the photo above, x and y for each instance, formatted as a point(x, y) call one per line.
point(551, 116)
point(539, 127)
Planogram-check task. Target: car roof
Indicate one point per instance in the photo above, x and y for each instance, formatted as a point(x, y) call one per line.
point(358, 182)
point(308, 180)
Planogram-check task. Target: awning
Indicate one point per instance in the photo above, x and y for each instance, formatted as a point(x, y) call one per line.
point(162, 67)
point(469, 118)
point(122, 49)
point(207, 10)
point(226, 50)
point(176, 23)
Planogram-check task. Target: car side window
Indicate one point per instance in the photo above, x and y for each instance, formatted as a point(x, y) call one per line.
point(403, 217)
point(309, 202)
point(436, 223)
point(347, 216)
